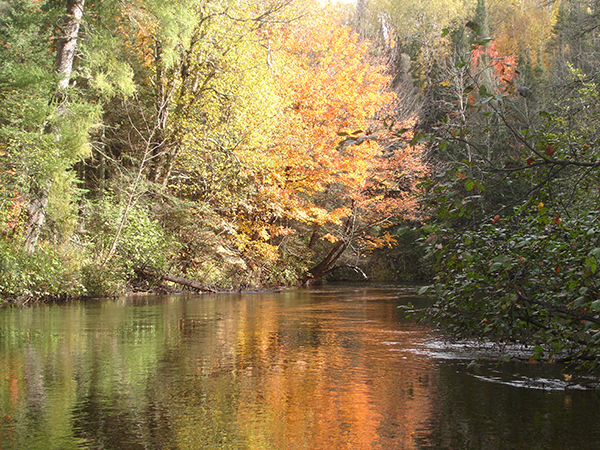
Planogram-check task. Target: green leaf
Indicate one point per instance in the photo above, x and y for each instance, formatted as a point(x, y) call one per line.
point(467, 256)
point(591, 263)
point(579, 302)
point(428, 228)
point(495, 267)
point(423, 290)
point(419, 138)
point(596, 305)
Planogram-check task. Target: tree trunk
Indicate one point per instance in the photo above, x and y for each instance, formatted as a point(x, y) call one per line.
point(361, 19)
point(162, 100)
point(67, 44)
point(36, 211)
point(63, 65)
point(327, 265)
point(324, 267)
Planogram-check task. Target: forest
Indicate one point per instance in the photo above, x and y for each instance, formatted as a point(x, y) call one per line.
point(214, 145)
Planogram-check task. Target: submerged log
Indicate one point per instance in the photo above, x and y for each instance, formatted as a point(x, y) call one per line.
point(178, 280)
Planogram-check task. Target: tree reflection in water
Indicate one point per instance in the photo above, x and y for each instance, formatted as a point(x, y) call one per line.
point(305, 369)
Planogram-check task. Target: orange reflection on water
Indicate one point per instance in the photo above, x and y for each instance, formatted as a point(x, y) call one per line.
point(290, 371)
point(330, 382)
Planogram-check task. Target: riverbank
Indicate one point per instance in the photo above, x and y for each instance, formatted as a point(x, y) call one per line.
point(66, 271)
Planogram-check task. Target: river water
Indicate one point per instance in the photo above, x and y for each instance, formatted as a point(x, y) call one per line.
point(335, 367)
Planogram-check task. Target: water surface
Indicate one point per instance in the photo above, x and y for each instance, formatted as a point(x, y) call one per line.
point(330, 368)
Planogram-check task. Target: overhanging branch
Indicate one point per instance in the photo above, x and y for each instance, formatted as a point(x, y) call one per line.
point(559, 309)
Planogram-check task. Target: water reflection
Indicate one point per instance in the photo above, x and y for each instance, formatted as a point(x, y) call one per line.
point(330, 368)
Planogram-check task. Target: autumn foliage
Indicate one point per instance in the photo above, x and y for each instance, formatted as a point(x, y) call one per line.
point(505, 67)
point(318, 178)
point(337, 172)
point(237, 145)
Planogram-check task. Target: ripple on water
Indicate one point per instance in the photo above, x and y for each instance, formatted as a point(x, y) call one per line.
point(483, 361)
point(542, 383)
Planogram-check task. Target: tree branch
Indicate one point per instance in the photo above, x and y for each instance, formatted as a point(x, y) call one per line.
point(559, 309)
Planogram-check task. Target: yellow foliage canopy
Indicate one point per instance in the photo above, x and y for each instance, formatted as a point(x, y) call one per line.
point(331, 143)
point(288, 139)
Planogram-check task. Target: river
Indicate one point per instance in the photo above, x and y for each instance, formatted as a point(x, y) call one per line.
point(334, 367)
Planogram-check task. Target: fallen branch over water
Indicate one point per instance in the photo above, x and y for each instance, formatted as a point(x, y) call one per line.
point(178, 280)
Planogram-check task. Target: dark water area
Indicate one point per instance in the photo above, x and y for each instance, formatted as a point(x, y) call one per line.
point(335, 367)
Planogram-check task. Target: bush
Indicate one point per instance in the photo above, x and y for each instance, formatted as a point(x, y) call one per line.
point(49, 273)
point(105, 281)
point(530, 278)
point(142, 241)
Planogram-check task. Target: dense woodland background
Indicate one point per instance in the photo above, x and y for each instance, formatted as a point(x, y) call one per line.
point(266, 143)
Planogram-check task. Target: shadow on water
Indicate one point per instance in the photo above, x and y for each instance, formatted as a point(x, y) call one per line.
point(334, 367)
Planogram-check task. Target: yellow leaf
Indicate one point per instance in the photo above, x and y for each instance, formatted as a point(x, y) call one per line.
point(330, 238)
point(264, 234)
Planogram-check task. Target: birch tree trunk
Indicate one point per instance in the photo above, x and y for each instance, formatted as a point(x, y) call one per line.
point(63, 65)
point(67, 44)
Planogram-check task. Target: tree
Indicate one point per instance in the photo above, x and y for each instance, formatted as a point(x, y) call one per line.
point(237, 144)
point(335, 186)
point(45, 144)
point(290, 159)
point(65, 54)
point(44, 131)
point(524, 270)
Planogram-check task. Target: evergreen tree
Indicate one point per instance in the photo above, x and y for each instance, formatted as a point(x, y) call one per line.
point(481, 19)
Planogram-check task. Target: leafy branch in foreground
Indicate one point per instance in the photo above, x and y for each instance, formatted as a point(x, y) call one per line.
point(515, 230)
point(529, 278)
